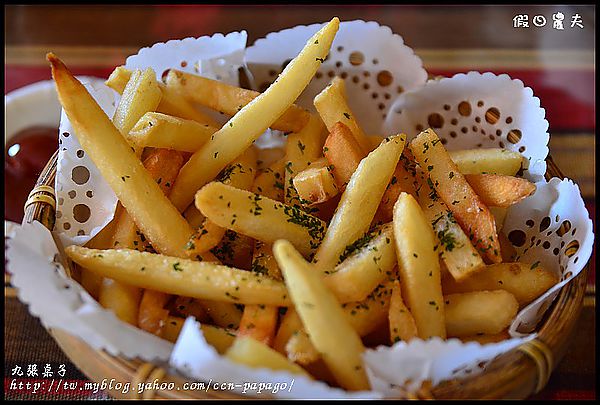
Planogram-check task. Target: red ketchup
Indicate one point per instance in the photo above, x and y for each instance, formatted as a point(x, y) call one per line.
point(25, 156)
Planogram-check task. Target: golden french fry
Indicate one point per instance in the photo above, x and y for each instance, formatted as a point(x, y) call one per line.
point(359, 202)
point(152, 315)
point(315, 184)
point(343, 152)
point(525, 281)
point(487, 312)
point(499, 217)
point(259, 322)
point(493, 161)
point(229, 99)
point(171, 103)
point(302, 149)
point(224, 314)
point(194, 216)
point(253, 353)
point(178, 276)
point(322, 316)
point(253, 119)
point(221, 339)
point(483, 339)
point(454, 190)
point(419, 267)
point(365, 265)
point(300, 349)
point(141, 94)
point(332, 107)
point(187, 306)
point(402, 181)
point(270, 183)
point(454, 247)
point(263, 261)
point(143, 199)
point(509, 253)
point(172, 328)
point(496, 190)
point(290, 324)
point(402, 323)
point(166, 131)
point(259, 217)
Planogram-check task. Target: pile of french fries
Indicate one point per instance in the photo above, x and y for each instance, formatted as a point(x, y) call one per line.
point(348, 241)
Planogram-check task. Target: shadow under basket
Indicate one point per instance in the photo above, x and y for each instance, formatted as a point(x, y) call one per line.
point(514, 375)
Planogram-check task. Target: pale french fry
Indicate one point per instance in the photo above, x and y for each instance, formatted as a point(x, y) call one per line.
point(450, 185)
point(122, 299)
point(493, 161)
point(229, 99)
point(166, 131)
point(332, 107)
point(178, 276)
point(171, 103)
point(270, 183)
point(141, 94)
point(263, 261)
point(487, 312)
point(143, 199)
point(359, 201)
point(300, 349)
point(372, 261)
point(259, 217)
point(253, 119)
point(315, 184)
point(240, 174)
point(290, 323)
point(259, 322)
point(322, 316)
point(343, 152)
point(253, 353)
point(496, 190)
point(302, 148)
point(223, 314)
point(152, 315)
point(485, 339)
point(454, 247)
point(419, 267)
point(402, 323)
point(525, 281)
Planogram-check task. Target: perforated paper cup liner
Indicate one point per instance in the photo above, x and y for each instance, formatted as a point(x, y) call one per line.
point(388, 91)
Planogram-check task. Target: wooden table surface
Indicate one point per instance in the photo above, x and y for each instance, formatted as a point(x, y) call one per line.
point(557, 65)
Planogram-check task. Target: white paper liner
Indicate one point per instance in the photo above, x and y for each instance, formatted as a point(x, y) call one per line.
point(376, 45)
point(75, 311)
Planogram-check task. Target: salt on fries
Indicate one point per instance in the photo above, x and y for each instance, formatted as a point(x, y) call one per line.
point(296, 262)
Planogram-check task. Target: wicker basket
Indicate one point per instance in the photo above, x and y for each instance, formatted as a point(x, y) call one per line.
point(516, 374)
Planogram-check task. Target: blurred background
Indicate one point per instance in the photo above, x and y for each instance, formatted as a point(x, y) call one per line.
point(558, 64)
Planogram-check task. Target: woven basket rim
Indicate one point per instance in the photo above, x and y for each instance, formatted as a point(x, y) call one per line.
point(513, 375)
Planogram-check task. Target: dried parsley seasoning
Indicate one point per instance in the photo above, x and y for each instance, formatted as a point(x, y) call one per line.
point(347, 115)
point(314, 226)
point(320, 60)
point(356, 245)
point(177, 266)
point(534, 265)
point(257, 209)
point(301, 146)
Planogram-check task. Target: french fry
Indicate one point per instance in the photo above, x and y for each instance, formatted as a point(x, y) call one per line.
point(259, 217)
point(359, 201)
point(194, 216)
point(499, 217)
point(141, 94)
point(492, 160)
point(253, 353)
point(343, 152)
point(223, 314)
point(263, 261)
point(158, 130)
point(324, 320)
point(229, 99)
point(315, 184)
point(419, 267)
point(178, 276)
point(221, 339)
point(369, 264)
point(152, 316)
point(171, 103)
point(300, 349)
point(290, 324)
point(302, 148)
point(509, 253)
point(186, 306)
point(471, 313)
point(402, 181)
point(525, 281)
point(235, 250)
point(332, 107)
point(402, 323)
point(143, 199)
point(496, 190)
point(259, 322)
point(450, 185)
point(270, 183)
point(253, 119)
point(240, 174)
point(454, 247)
